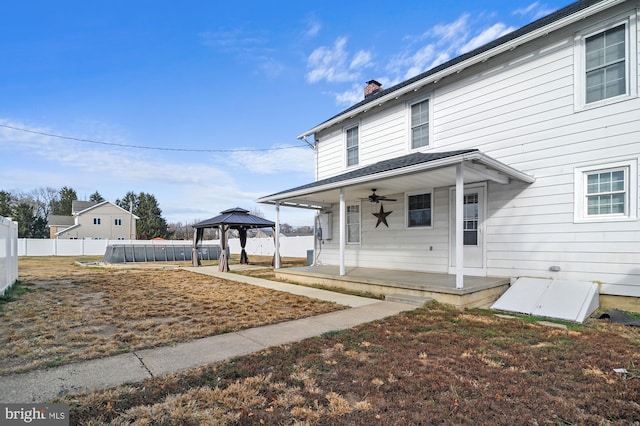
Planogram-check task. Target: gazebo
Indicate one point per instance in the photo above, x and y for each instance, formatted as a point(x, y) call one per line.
point(235, 218)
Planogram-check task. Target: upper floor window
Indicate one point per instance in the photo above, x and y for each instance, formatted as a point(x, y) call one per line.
point(117, 222)
point(97, 221)
point(352, 146)
point(420, 124)
point(605, 63)
point(419, 210)
point(606, 192)
point(603, 56)
point(353, 224)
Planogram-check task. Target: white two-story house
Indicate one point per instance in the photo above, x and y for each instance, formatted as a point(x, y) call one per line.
point(517, 159)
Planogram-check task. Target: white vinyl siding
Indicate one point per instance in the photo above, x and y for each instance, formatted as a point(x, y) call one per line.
point(420, 124)
point(351, 142)
point(353, 224)
point(519, 108)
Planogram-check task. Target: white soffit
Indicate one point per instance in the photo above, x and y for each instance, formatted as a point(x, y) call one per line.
point(560, 299)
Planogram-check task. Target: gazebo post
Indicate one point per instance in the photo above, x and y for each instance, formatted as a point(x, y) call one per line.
point(223, 261)
point(195, 259)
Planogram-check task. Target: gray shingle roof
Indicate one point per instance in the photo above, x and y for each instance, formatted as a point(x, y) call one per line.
point(236, 218)
point(380, 167)
point(60, 220)
point(78, 206)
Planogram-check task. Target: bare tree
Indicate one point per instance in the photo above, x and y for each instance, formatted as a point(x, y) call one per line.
point(44, 200)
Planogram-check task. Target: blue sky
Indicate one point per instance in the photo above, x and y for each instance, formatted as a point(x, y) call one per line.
point(218, 91)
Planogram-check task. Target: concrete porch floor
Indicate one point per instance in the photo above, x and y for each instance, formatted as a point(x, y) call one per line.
point(477, 291)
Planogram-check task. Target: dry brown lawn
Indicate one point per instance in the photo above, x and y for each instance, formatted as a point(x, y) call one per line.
point(434, 365)
point(62, 312)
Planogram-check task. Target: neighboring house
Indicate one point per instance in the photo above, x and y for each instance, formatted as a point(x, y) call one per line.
point(519, 158)
point(97, 221)
point(59, 223)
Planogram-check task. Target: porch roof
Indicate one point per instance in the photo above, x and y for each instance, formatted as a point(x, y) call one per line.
point(410, 172)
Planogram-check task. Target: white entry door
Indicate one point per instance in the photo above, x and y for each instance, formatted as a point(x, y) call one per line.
point(473, 224)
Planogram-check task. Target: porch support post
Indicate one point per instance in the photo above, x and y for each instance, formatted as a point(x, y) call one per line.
point(276, 262)
point(459, 225)
point(343, 227)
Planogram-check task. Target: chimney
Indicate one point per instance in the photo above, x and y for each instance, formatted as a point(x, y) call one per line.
point(372, 88)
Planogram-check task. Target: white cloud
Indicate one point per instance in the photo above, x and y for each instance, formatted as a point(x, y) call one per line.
point(493, 32)
point(187, 185)
point(526, 10)
point(270, 67)
point(451, 32)
point(362, 59)
point(333, 64)
point(290, 160)
point(233, 39)
point(433, 47)
point(350, 97)
point(534, 10)
point(313, 28)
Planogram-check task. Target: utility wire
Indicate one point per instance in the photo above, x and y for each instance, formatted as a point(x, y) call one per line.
point(153, 148)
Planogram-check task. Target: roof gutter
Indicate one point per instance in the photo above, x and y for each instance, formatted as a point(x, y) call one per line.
point(481, 57)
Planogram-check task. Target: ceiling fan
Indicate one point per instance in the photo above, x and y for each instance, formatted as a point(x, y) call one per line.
point(375, 198)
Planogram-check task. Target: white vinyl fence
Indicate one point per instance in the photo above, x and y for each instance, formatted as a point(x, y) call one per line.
point(289, 246)
point(8, 253)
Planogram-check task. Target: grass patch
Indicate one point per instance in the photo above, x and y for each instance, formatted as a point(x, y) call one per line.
point(17, 290)
point(433, 365)
point(63, 312)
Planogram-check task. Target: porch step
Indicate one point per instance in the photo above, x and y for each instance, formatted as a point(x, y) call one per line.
point(408, 299)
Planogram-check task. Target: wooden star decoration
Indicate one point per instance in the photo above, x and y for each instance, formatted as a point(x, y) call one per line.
point(382, 216)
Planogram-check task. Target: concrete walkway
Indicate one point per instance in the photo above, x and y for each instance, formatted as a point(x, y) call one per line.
point(44, 385)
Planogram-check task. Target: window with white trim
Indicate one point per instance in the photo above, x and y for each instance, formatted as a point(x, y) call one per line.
point(351, 143)
point(353, 224)
point(420, 124)
point(605, 70)
point(419, 209)
point(607, 192)
point(97, 221)
point(117, 222)
point(605, 64)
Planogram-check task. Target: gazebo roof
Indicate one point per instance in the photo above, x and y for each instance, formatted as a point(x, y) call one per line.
point(236, 218)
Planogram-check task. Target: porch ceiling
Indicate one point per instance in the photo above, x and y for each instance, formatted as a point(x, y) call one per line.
point(477, 167)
